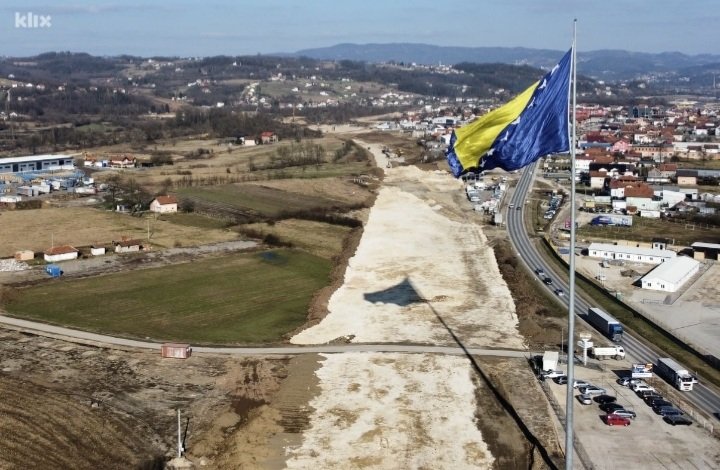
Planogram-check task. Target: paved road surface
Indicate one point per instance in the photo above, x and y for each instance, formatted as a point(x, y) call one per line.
point(94, 339)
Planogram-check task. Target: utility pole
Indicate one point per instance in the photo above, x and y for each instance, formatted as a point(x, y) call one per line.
point(179, 427)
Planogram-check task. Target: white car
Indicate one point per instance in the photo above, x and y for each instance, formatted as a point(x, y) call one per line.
point(580, 383)
point(639, 387)
point(592, 390)
point(551, 374)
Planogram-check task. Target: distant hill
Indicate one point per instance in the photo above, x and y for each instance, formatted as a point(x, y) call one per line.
point(601, 64)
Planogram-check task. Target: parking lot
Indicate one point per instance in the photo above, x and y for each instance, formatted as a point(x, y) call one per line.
point(648, 442)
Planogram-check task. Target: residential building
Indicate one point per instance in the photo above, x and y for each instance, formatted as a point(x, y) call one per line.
point(164, 205)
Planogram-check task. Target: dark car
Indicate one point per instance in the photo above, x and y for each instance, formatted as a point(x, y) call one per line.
point(610, 407)
point(547, 280)
point(670, 411)
point(659, 403)
point(603, 399)
point(562, 380)
point(652, 396)
point(676, 420)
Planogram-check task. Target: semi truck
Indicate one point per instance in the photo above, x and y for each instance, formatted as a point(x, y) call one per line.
point(617, 352)
point(674, 373)
point(604, 322)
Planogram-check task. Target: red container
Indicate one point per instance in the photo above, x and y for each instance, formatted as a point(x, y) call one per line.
point(176, 350)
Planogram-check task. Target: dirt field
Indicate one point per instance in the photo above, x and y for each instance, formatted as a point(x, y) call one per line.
point(37, 230)
point(112, 409)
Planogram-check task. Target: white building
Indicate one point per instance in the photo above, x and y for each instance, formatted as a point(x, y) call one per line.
point(671, 275)
point(164, 204)
point(630, 253)
point(60, 253)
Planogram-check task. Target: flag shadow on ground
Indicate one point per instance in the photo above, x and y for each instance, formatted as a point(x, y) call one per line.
point(402, 294)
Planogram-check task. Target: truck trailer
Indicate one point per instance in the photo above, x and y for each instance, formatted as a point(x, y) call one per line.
point(675, 374)
point(604, 322)
point(617, 352)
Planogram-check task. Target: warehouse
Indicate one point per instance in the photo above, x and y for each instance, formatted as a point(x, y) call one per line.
point(630, 253)
point(37, 163)
point(671, 275)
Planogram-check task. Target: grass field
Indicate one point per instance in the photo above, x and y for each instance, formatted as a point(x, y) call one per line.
point(317, 238)
point(249, 298)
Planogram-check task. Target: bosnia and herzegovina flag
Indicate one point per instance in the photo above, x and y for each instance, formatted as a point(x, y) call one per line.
point(533, 124)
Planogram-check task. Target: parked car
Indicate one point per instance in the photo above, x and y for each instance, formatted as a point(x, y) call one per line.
point(637, 388)
point(562, 380)
point(610, 407)
point(650, 396)
point(648, 393)
point(616, 420)
point(602, 399)
point(676, 420)
point(624, 413)
point(585, 399)
point(592, 390)
point(580, 383)
point(551, 374)
point(627, 381)
point(670, 411)
point(658, 402)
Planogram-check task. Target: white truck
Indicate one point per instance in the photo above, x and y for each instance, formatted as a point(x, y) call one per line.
point(617, 352)
point(675, 374)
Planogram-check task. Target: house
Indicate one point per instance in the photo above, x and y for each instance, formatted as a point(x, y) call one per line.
point(60, 253)
point(127, 245)
point(164, 205)
point(671, 275)
point(124, 162)
point(687, 177)
point(597, 179)
point(268, 138)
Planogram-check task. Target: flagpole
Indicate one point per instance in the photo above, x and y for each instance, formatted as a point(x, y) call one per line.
point(569, 402)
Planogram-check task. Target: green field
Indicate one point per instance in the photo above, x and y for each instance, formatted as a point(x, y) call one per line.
point(249, 298)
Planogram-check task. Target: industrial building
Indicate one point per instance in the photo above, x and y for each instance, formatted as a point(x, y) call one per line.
point(671, 275)
point(630, 253)
point(37, 163)
point(704, 251)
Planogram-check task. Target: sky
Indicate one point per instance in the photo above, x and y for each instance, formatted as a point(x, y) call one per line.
point(247, 27)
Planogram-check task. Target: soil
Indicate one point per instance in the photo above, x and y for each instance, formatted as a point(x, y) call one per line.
point(117, 409)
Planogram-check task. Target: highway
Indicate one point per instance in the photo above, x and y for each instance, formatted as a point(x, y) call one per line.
point(702, 397)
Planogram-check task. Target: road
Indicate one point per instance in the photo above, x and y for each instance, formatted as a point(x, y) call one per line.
point(702, 397)
point(94, 339)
